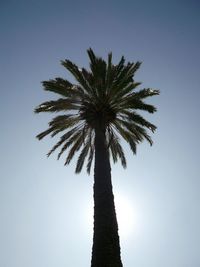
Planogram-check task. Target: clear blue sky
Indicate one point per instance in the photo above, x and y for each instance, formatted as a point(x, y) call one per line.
point(43, 205)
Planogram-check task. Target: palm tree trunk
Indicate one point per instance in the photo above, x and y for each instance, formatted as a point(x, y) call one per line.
point(106, 247)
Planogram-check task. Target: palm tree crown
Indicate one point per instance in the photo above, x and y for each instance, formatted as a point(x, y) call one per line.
point(104, 98)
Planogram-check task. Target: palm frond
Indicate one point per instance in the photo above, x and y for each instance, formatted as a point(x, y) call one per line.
point(120, 66)
point(131, 138)
point(83, 155)
point(69, 142)
point(123, 77)
point(139, 133)
point(98, 70)
point(59, 86)
point(76, 146)
point(108, 79)
point(117, 151)
point(130, 102)
point(71, 67)
point(67, 121)
point(90, 159)
point(117, 96)
point(142, 131)
point(63, 139)
point(146, 92)
point(97, 65)
point(45, 133)
point(134, 68)
point(58, 105)
point(136, 118)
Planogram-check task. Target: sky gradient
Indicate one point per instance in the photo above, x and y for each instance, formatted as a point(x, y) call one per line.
point(44, 205)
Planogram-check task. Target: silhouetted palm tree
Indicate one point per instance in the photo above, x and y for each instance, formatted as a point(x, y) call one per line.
point(96, 111)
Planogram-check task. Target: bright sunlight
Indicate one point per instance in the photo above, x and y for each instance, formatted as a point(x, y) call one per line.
point(126, 216)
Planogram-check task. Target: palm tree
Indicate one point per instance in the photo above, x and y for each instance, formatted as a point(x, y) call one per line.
point(96, 111)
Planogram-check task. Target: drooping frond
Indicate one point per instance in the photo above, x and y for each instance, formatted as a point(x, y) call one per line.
point(130, 137)
point(105, 96)
point(82, 157)
point(90, 158)
point(75, 147)
point(136, 118)
point(136, 132)
point(58, 124)
point(117, 151)
point(84, 153)
point(63, 139)
point(76, 136)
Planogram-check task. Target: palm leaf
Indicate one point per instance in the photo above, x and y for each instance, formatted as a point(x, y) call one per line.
point(134, 117)
point(117, 151)
point(82, 156)
point(146, 92)
point(70, 141)
point(59, 86)
point(71, 67)
point(63, 139)
point(130, 102)
point(90, 159)
point(45, 133)
point(76, 146)
point(58, 105)
point(131, 138)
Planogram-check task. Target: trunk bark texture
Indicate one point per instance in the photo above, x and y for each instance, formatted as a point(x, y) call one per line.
point(106, 247)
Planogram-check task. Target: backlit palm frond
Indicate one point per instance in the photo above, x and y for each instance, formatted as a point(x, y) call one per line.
point(67, 120)
point(143, 132)
point(75, 147)
point(120, 66)
point(90, 158)
point(81, 159)
point(58, 124)
point(98, 66)
point(58, 105)
point(63, 139)
point(45, 133)
point(146, 92)
point(74, 70)
point(117, 151)
point(139, 133)
point(74, 137)
point(126, 74)
point(136, 118)
point(59, 86)
point(117, 96)
point(109, 73)
point(130, 137)
point(132, 103)
point(124, 77)
point(98, 70)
